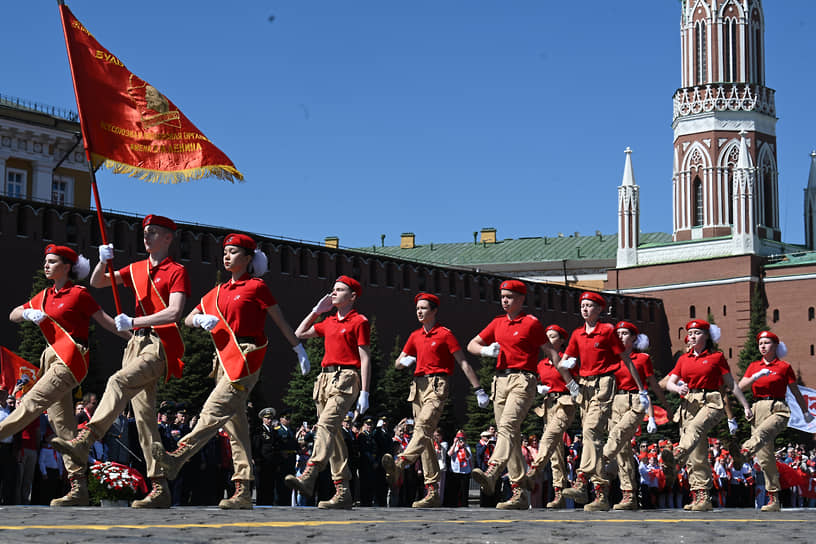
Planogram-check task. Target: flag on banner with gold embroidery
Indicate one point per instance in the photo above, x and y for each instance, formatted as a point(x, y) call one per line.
point(128, 125)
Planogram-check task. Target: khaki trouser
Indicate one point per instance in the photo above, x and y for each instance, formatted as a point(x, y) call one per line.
point(627, 415)
point(226, 407)
point(512, 396)
point(770, 418)
point(143, 365)
point(558, 412)
point(334, 394)
point(699, 412)
point(427, 395)
point(597, 394)
point(52, 392)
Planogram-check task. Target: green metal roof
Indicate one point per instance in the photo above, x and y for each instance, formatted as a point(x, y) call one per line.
point(794, 259)
point(519, 250)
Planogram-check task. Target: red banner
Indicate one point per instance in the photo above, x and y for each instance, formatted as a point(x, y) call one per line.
point(128, 125)
point(661, 417)
point(13, 368)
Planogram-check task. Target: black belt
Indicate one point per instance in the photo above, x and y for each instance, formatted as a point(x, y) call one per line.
point(627, 392)
point(246, 340)
point(703, 390)
point(508, 371)
point(594, 376)
point(557, 394)
point(338, 368)
point(431, 375)
point(144, 332)
point(768, 397)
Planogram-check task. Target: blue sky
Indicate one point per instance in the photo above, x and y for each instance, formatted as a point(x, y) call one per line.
point(438, 117)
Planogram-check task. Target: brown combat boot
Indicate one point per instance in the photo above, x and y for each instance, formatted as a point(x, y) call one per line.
point(703, 503)
point(578, 492)
point(241, 499)
point(305, 483)
point(78, 447)
point(773, 503)
point(78, 495)
point(431, 498)
point(393, 469)
point(487, 478)
point(601, 502)
point(341, 500)
point(517, 501)
point(691, 504)
point(558, 500)
point(159, 496)
point(170, 462)
point(628, 501)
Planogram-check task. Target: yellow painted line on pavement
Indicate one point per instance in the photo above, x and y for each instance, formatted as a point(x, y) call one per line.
point(306, 523)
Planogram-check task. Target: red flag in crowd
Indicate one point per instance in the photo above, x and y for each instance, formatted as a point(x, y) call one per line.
point(790, 477)
point(661, 417)
point(13, 368)
point(128, 125)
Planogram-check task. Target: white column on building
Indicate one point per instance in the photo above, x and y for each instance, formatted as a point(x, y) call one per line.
point(43, 177)
point(744, 235)
point(628, 215)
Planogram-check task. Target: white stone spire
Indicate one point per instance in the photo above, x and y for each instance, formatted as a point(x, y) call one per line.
point(744, 234)
point(628, 215)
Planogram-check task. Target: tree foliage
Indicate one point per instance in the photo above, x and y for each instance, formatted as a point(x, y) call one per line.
point(479, 419)
point(389, 388)
point(298, 397)
point(32, 343)
point(758, 323)
point(195, 385)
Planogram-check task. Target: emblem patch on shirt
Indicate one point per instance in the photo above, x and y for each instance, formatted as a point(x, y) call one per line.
point(343, 330)
point(433, 343)
point(515, 333)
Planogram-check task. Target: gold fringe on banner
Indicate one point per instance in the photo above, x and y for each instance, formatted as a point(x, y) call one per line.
point(227, 173)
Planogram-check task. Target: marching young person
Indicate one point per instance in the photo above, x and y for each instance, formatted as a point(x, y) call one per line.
point(436, 352)
point(234, 313)
point(345, 374)
point(702, 372)
point(63, 312)
point(160, 286)
point(515, 340)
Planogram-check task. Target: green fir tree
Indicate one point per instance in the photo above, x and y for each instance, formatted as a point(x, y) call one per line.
point(298, 397)
point(193, 388)
point(32, 343)
point(758, 323)
point(479, 419)
point(392, 386)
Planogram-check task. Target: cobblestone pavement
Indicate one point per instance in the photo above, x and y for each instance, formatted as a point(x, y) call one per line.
point(31, 524)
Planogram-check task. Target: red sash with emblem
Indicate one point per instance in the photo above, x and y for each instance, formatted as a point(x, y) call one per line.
point(147, 294)
point(66, 348)
point(234, 361)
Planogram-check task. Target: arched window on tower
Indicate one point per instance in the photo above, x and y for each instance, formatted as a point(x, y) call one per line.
point(768, 193)
point(758, 53)
point(730, 50)
point(698, 202)
point(692, 312)
point(700, 53)
point(811, 313)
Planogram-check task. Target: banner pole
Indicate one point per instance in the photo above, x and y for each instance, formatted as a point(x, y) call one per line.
point(86, 144)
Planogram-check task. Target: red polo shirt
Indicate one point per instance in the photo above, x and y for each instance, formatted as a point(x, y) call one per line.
point(168, 276)
point(599, 351)
point(243, 304)
point(343, 337)
point(548, 375)
point(433, 350)
point(703, 371)
point(71, 307)
point(776, 383)
point(519, 338)
point(643, 364)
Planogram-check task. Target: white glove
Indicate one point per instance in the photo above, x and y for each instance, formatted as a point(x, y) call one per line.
point(568, 363)
point(323, 306)
point(481, 398)
point(205, 321)
point(123, 322)
point(732, 426)
point(35, 316)
point(808, 416)
point(543, 389)
point(105, 253)
point(644, 398)
point(759, 374)
point(362, 402)
point(651, 426)
point(303, 359)
point(407, 361)
point(491, 351)
point(574, 388)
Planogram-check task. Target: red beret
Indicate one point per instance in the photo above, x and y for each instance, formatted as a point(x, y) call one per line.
point(62, 251)
point(514, 285)
point(426, 296)
point(594, 297)
point(628, 326)
point(698, 324)
point(351, 282)
point(768, 334)
point(159, 221)
point(240, 240)
point(460, 434)
point(557, 328)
